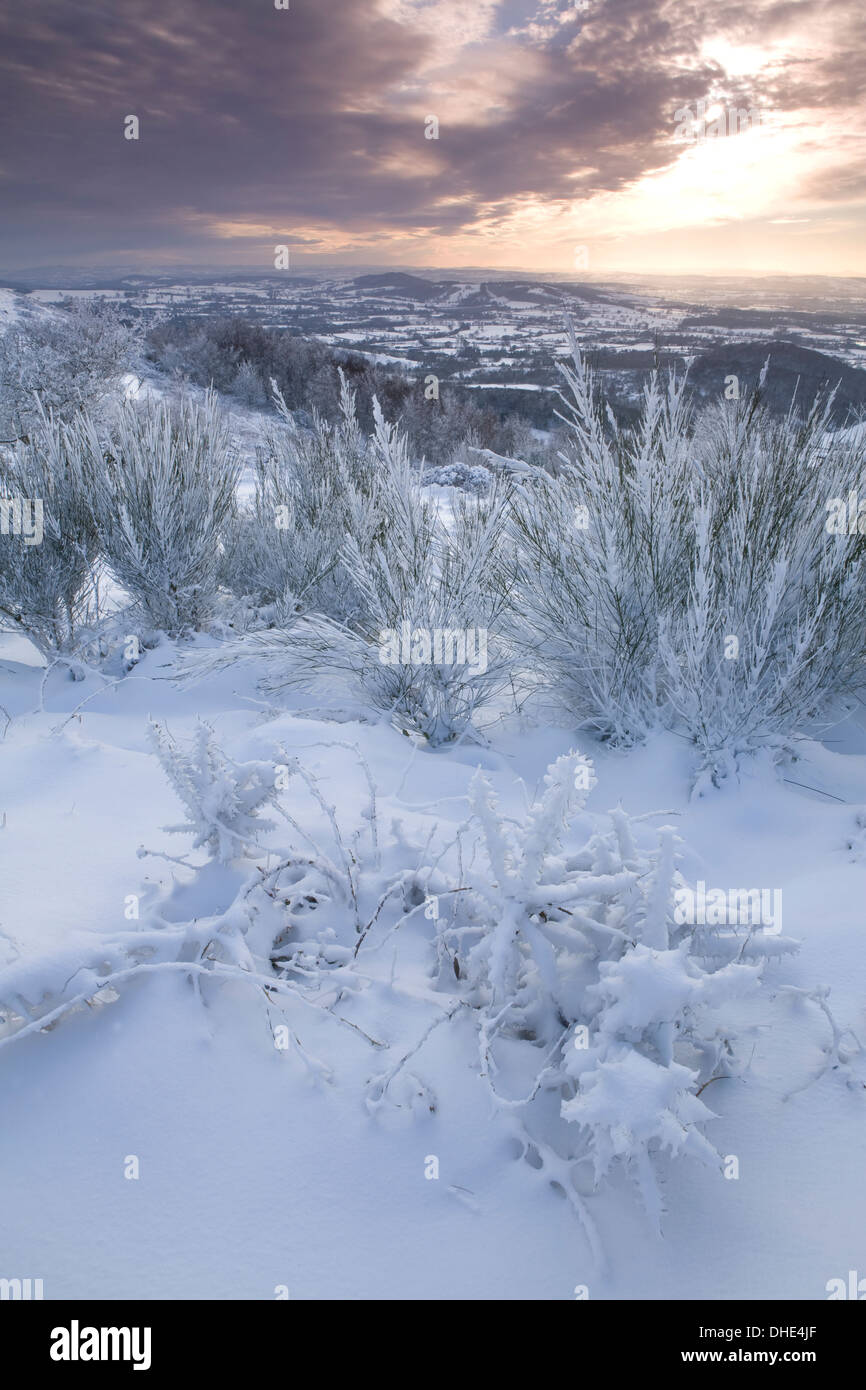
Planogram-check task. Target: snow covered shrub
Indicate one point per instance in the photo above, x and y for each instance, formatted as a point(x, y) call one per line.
point(603, 550)
point(48, 540)
point(581, 979)
point(682, 573)
point(248, 387)
point(290, 928)
point(62, 362)
point(222, 797)
point(427, 598)
point(313, 487)
point(166, 484)
point(275, 927)
point(773, 625)
point(425, 647)
point(470, 477)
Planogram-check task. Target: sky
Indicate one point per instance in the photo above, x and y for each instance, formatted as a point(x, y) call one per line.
point(549, 135)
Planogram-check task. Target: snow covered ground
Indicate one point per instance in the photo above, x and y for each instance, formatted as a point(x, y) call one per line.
point(261, 1168)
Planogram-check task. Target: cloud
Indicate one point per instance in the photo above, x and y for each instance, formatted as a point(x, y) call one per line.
point(258, 124)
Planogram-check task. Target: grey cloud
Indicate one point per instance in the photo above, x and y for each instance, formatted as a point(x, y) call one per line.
point(299, 118)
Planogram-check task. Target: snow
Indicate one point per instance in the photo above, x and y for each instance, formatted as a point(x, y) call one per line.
point(10, 308)
point(309, 1167)
point(254, 1173)
point(505, 386)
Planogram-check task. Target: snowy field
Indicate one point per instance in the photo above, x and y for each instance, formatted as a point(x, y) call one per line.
point(261, 1167)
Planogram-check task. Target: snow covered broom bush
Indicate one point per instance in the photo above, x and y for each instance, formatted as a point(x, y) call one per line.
point(425, 646)
point(48, 539)
point(772, 630)
point(313, 487)
point(165, 488)
point(682, 573)
point(603, 550)
point(62, 362)
point(423, 642)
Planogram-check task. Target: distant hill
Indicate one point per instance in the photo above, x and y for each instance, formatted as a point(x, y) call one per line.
point(485, 295)
point(792, 369)
point(396, 282)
